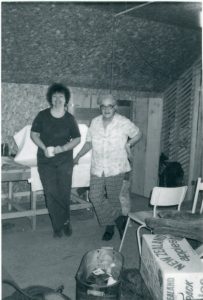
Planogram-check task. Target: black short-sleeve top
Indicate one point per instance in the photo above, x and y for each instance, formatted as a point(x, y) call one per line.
point(55, 132)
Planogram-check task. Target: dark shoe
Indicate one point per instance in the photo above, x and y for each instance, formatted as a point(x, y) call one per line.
point(57, 234)
point(120, 223)
point(67, 229)
point(108, 234)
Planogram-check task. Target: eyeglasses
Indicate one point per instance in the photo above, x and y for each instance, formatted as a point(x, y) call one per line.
point(107, 106)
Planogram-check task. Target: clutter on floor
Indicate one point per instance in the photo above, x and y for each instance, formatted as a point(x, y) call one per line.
point(25, 256)
point(35, 292)
point(133, 286)
point(100, 277)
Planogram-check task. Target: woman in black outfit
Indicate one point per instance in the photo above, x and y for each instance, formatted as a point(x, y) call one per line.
point(56, 128)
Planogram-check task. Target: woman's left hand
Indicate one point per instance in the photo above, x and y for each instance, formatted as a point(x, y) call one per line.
point(58, 149)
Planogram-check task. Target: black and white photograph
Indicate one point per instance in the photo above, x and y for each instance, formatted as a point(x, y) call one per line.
point(101, 150)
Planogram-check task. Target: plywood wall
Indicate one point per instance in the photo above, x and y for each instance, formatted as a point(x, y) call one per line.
point(148, 117)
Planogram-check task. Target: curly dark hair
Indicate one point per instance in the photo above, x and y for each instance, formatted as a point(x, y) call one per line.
point(58, 88)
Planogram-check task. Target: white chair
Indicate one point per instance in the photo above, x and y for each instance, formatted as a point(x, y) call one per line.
point(199, 187)
point(161, 196)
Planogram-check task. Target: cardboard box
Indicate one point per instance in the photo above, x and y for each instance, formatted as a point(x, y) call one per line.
point(171, 269)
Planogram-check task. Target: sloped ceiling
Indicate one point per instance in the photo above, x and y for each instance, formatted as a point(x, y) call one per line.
point(142, 46)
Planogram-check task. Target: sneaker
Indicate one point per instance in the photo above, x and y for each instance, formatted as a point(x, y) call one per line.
point(67, 229)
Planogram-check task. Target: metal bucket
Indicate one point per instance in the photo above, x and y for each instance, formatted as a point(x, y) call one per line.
point(101, 258)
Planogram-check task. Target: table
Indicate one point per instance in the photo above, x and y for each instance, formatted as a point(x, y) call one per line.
point(14, 172)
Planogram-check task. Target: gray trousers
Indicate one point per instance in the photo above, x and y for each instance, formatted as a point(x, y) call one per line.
point(104, 195)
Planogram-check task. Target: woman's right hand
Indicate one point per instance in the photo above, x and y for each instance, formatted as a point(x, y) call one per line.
point(46, 153)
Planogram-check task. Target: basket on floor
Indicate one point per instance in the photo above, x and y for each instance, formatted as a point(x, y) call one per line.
point(106, 259)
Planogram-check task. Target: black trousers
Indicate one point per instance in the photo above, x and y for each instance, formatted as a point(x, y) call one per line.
point(56, 181)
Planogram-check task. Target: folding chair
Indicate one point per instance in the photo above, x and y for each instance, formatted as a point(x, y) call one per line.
point(199, 187)
point(161, 196)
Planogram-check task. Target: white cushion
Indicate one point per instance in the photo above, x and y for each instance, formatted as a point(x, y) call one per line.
point(27, 150)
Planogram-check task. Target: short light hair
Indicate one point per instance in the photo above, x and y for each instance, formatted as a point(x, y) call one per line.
point(108, 96)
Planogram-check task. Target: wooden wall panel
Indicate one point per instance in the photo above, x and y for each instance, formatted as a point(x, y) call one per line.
point(153, 144)
point(148, 117)
point(196, 147)
point(139, 151)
